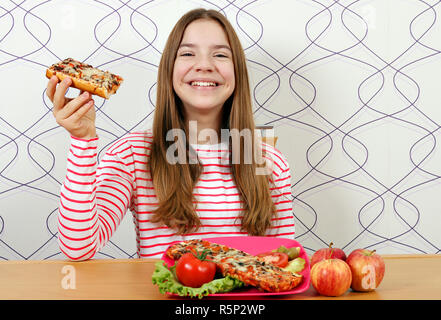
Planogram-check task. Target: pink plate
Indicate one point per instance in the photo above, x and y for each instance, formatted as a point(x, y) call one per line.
point(256, 245)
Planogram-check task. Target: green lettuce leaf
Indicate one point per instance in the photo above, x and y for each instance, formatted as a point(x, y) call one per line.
point(165, 279)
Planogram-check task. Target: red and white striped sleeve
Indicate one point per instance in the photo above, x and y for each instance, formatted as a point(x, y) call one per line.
point(93, 200)
point(283, 223)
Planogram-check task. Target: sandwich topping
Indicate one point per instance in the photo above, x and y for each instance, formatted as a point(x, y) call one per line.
point(88, 73)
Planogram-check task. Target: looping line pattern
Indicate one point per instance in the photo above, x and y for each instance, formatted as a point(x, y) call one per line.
point(362, 116)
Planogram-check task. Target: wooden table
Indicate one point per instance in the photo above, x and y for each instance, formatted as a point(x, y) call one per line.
point(406, 277)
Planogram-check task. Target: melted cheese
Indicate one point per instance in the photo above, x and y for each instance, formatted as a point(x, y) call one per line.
point(86, 72)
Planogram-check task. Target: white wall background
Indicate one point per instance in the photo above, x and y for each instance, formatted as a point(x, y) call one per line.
point(351, 87)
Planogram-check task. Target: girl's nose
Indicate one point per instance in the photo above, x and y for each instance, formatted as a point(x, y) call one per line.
point(204, 64)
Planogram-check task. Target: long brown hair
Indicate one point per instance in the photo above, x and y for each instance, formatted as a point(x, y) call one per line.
point(174, 183)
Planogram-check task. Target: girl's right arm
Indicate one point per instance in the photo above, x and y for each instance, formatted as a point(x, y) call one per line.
point(93, 200)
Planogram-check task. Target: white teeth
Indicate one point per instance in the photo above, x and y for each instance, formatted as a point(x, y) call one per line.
point(203, 84)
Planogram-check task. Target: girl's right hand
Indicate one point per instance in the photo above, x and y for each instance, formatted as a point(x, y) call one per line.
point(76, 115)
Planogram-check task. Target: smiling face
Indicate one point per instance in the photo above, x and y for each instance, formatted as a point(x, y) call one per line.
point(203, 73)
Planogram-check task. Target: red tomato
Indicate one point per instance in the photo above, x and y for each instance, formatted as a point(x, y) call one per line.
point(279, 259)
point(193, 272)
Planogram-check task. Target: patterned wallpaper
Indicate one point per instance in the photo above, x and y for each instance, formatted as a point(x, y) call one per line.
point(352, 89)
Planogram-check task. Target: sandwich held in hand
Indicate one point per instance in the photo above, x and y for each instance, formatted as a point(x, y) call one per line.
point(85, 77)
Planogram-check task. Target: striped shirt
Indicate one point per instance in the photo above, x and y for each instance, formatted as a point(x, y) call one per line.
point(96, 196)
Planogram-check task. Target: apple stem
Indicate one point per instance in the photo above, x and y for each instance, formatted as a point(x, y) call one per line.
point(332, 250)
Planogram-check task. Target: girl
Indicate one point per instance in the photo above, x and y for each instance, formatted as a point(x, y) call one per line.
point(202, 89)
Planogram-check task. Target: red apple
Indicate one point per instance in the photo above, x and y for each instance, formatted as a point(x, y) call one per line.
point(327, 253)
point(367, 269)
point(331, 277)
